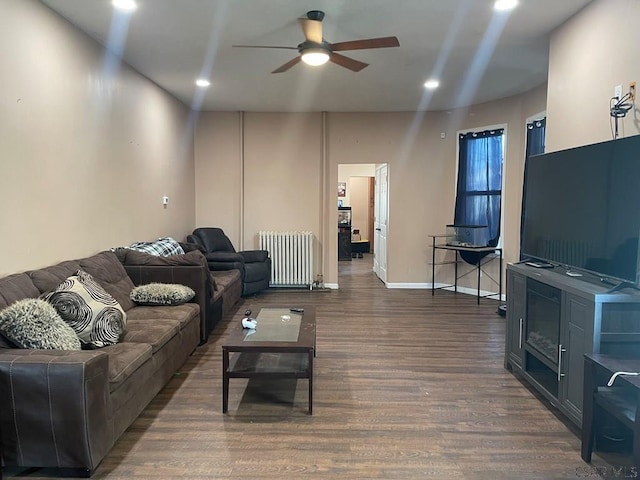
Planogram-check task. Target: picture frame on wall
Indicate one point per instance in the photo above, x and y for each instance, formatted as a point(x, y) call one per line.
point(342, 189)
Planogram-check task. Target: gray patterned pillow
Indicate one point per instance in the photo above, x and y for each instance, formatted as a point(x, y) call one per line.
point(34, 323)
point(95, 316)
point(162, 294)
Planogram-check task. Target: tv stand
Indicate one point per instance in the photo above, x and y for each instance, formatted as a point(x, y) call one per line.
point(592, 318)
point(618, 286)
point(539, 264)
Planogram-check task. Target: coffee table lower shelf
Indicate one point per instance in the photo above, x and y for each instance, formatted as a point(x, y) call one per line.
point(272, 364)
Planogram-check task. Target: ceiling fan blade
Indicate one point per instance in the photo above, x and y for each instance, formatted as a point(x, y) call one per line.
point(346, 62)
point(288, 65)
point(382, 42)
point(312, 30)
point(265, 46)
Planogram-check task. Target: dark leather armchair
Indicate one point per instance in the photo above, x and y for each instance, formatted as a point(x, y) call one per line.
point(254, 265)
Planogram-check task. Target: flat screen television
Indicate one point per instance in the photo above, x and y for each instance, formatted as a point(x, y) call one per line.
point(581, 209)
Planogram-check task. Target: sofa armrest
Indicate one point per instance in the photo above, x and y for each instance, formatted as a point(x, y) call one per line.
point(56, 408)
point(224, 257)
point(191, 246)
point(254, 256)
point(196, 277)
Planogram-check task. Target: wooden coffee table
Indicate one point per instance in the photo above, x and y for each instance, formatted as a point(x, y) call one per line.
point(282, 346)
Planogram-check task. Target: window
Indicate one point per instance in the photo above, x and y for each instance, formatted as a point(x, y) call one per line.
point(479, 192)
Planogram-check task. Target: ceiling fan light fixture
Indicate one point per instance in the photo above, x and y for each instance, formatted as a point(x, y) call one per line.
point(315, 56)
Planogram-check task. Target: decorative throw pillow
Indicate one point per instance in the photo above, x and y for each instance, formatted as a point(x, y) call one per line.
point(34, 323)
point(95, 316)
point(163, 246)
point(162, 294)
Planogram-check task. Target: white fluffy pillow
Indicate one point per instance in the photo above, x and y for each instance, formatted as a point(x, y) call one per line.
point(161, 294)
point(34, 323)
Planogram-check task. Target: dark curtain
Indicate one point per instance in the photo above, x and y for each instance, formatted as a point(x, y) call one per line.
point(478, 198)
point(536, 134)
point(535, 137)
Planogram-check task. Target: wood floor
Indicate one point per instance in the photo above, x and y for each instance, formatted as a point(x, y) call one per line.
point(407, 386)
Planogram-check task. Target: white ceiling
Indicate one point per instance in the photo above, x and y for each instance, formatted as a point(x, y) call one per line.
point(477, 55)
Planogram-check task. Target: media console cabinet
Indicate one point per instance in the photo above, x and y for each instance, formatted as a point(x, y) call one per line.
point(554, 319)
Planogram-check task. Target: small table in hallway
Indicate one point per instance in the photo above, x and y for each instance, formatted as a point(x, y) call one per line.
point(279, 347)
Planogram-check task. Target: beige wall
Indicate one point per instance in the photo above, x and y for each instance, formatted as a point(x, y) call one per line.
point(86, 156)
point(260, 171)
point(592, 53)
point(359, 202)
point(287, 169)
point(219, 172)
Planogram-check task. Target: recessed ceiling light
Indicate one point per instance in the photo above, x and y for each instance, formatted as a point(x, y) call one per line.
point(503, 5)
point(201, 82)
point(431, 84)
point(126, 5)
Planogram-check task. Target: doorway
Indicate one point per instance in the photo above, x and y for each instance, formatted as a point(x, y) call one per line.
point(359, 191)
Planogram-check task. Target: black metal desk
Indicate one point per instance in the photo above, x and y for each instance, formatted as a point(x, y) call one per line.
point(457, 249)
point(622, 399)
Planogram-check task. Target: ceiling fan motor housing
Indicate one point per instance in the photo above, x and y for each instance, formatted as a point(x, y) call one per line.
point(306, 45)
point(315, 15)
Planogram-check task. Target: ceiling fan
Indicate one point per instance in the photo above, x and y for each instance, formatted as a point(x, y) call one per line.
point(315, 50)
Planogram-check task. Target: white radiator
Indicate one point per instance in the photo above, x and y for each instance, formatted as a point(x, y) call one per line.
point(291, 257)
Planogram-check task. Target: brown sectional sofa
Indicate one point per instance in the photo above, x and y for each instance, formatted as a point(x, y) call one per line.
point(216, 292)
point(66, 409)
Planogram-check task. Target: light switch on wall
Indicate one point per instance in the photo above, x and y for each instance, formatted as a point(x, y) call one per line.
point(165, 201)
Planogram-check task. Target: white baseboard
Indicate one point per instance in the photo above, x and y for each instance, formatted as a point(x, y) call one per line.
point(409, 285)
point(444, 286)
point(474, 292)
point(440, 286)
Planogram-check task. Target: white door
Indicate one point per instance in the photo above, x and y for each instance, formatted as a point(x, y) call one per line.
point(380, 222)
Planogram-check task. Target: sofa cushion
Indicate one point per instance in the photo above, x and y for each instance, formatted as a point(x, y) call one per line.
point(135, 257)
point(179, 313)
point(46, 279)
point(156, 332)
point(225, 278)
point(6, 343)
point(16, 287)
point(189, 246)
point(230, 286)
point(124, 359)
point(34, 323)
point(162, 294)
point(163, 246)
point(111, 275)
point(96, 317)
point(253, 256)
